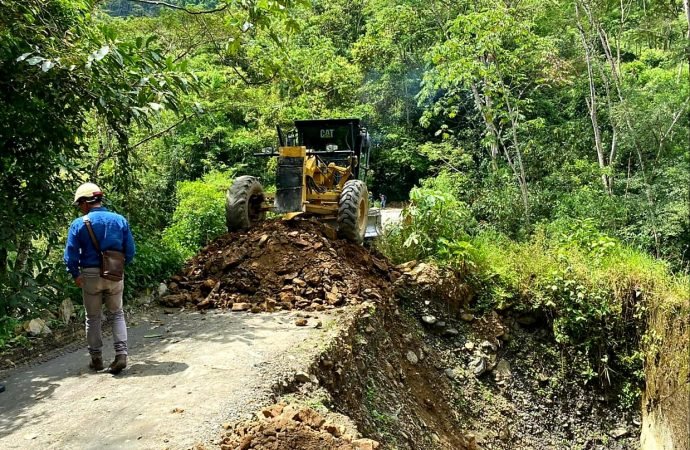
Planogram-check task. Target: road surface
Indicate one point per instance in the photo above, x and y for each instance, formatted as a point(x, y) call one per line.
point(189, 373)
point(390, 216)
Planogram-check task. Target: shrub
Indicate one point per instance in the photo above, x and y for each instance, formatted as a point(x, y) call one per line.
point(432, 223)
point(153, 263)
point(200, 213)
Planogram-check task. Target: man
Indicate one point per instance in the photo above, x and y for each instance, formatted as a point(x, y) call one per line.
point(83, 263)
point(382, 197)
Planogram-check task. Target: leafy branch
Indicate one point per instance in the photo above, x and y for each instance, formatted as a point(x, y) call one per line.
point(182, 8)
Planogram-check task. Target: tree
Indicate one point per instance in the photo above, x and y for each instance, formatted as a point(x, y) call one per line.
point(494, 53)
point(55, 68)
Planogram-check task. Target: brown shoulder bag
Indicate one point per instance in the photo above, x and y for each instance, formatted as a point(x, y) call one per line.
point(112, 261)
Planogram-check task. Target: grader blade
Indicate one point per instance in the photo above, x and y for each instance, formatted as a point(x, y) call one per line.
point(374, 227)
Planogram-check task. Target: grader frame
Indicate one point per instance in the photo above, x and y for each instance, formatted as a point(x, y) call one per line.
point(312, 180)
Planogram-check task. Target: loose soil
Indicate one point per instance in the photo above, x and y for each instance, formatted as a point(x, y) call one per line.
point(281, 265)
point(42, 348)
point(511, 384)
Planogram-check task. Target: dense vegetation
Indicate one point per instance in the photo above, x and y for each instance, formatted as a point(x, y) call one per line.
point(549, 140)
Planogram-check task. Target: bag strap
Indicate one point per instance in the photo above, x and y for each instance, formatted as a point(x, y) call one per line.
point(87, 222)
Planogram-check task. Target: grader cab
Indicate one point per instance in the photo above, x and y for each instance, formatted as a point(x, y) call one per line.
point(318, 175)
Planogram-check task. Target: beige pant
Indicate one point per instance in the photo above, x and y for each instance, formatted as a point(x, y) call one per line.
point(96, 291)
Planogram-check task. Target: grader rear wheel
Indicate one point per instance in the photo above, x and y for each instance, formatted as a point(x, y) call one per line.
point(353, 208)
point(243, 202)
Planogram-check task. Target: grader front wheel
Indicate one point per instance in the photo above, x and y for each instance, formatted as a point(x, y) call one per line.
point(353, 208)
point(243, 203)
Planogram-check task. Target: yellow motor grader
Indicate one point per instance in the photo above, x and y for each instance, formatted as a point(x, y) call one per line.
point(318, 175)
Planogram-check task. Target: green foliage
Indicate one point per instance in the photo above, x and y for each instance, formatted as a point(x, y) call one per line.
point(200, 213)
point(155, 261)
point(433, 224)
point(56, 70)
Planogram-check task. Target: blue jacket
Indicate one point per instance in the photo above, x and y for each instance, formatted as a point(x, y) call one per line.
point(112, 232)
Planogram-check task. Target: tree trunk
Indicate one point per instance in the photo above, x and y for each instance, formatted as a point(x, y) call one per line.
point(479, 103)
point(686, 7)
point(520, 172)
point(23, 250)
point(592, 104)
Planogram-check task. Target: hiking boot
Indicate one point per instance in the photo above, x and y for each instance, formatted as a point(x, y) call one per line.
point(117, 365)
point(96, 362)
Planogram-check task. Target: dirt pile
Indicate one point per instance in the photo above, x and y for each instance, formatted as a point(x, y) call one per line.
point(288, 427)
point(280, 265)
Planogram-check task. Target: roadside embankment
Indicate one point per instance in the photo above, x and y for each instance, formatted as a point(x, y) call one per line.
point(666, 399)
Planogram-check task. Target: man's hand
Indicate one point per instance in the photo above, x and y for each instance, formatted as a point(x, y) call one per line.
point(79, 281)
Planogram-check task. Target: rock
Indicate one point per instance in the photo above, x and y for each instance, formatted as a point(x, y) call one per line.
point(364, 444)
point(273, 411)
point(301, 322)
point(333, 298)
point(502, 371)
point(412, 357)
point(302, 243)
point(449, 373)
point(66, 310)
point(302, 377)
point(451, 332)
point(618, 433)
point(477, 366)
point(263, 239)
point(526, 320)
point(469, 345)
point(429, 320)
point(36, 327)
point(174, 300)
point(406, 266)
point(488, 346)
point(467, 317)
point(504, 433)
point(241, 306)
point(310, 417)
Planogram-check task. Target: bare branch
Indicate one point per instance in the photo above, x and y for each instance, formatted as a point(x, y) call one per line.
point(181, 8)
point(159, 134)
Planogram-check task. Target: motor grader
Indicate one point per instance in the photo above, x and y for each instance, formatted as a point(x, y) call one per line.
point(318, 175)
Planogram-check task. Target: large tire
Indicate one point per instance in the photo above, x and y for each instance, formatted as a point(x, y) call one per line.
point(353, 209)
point(243, 202)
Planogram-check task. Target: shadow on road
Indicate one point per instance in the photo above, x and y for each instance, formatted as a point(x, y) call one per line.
point(149, 368)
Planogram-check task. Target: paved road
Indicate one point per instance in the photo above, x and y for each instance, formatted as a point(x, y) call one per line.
point(390, 216)
point(213, 367)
